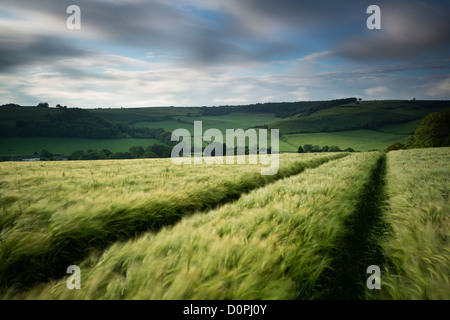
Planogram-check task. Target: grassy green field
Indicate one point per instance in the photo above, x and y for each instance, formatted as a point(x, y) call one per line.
point(354, 116)
point(239, 120)
point(13, 146)
point(132, 115)
point(361, 140)
point(149, 229)
point(401, 128)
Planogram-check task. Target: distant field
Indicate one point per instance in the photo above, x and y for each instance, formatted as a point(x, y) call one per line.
point(357, 116)
point(369, 125)
point(361, 140)
point(144, 114)
point(317, 124)
point(406, 127)
point(24, 146)
point(222, 122)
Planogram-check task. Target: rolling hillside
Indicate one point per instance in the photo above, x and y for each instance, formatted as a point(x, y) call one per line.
point(346, 123)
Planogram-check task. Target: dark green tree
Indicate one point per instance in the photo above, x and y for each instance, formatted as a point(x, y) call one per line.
point(106, 152)
point(394, 146)
point(120, 155)
point(42, 105)
point(76, 155)
point(149, 154)
point(307, 148)
point(91, 155)
point(136, 151)
point(161, 150)
point(433, 132)
point(334, 149)
point(46, 155)
point(316, 148)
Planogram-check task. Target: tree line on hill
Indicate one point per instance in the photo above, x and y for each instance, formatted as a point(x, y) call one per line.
point(40, 105)
point(280, 109)
point(309, 148)
point(79, 123)
point(433, 132)
point(134, 152)
point(138, 152)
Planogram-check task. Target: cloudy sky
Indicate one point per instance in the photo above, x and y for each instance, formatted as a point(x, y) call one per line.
point(136, 53)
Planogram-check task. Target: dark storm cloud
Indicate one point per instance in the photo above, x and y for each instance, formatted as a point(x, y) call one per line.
point(148, 25)
point(243, 30)
point(155, 25)
point(160, 25)
point(149, 51)
point(301, 13)
point(409, 29)
point(38, 50)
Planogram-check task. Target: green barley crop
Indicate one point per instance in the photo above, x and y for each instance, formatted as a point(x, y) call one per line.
point(418, 211)
point(53, 214)
point(276, 242)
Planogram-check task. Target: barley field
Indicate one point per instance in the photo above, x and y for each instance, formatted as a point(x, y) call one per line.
point(418, 211)
point(149, 229)
point(54, 213)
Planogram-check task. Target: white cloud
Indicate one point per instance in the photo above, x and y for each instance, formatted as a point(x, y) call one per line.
point(268, 99)
point(301, 94)
point(313, 57)
point(238, 100)
point(377, 92)
point(440, 90)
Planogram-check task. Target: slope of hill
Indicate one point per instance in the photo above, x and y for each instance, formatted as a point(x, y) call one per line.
point(347, 123)
point(353, 116)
